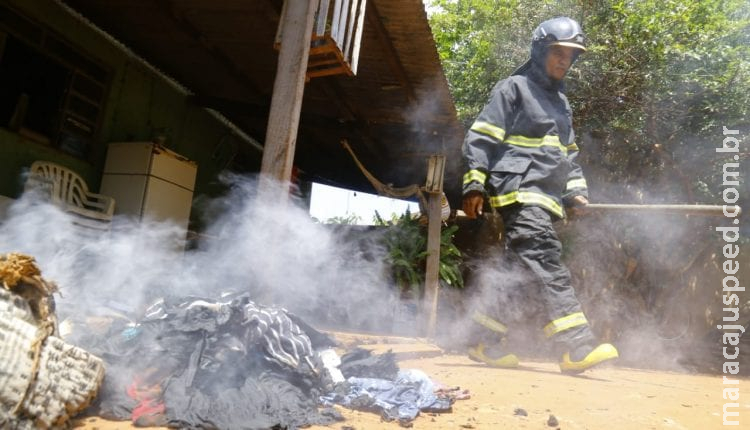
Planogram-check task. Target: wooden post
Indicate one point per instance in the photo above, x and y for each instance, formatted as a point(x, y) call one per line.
point(434, 189)
point(288, 88)
point(676, 209)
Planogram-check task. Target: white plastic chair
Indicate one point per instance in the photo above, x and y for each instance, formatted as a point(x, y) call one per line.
point(69, 191)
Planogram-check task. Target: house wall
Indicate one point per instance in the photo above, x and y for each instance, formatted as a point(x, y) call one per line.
point(141, 105)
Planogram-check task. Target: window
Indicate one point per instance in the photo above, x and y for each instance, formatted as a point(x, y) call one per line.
point(49, 92)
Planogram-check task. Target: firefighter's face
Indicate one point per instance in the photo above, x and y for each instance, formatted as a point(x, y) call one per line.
point(559, 59)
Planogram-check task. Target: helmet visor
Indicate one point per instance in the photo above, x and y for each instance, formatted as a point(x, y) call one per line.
point(571, 44)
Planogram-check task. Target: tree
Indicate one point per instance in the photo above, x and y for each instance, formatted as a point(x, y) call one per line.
point(650, 96)
point(482, 41)
point(659, 82)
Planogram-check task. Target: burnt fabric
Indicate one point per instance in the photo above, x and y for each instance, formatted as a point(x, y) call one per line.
point(217, 364)
point(532, 241)
point(400, 399)
point(360, 362)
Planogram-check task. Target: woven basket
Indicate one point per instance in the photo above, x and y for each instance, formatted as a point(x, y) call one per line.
point(67, 379)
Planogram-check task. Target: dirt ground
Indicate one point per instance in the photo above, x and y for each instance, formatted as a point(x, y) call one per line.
point(609, 397)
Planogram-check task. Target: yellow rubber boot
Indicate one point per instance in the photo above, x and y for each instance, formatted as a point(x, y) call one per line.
point(507, 361)
point(600, 354)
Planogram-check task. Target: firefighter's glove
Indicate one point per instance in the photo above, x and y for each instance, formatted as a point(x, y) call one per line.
point(472, 203)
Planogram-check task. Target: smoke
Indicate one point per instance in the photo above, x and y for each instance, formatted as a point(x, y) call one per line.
point(496, 286)
point(631, 272)
point(272, 250)
point(437, 131)
point(646, 282)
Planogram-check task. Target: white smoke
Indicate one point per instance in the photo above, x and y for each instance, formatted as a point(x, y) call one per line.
point(274, 251)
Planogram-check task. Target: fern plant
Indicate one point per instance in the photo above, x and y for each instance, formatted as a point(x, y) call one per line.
point(406, 242)
point(450, 259)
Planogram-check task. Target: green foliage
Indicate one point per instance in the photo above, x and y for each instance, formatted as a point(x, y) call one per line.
point(406, 241)
point(450, 259)
point(378, 220)
point(661, 79)
point(351, 219)
point(650, 97)
point(407, 250)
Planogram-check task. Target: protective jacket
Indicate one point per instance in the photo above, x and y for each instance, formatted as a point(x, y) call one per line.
point(521, 148)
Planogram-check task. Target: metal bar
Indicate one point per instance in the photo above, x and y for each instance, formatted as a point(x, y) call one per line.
point(705, 210)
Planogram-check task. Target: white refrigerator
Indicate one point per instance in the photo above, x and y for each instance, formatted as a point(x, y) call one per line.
point(149, 181)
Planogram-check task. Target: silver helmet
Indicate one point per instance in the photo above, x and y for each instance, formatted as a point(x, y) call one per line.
point(559, 31)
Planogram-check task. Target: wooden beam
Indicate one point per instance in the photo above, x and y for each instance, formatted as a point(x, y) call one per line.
point(434, 191)
point(391, 55)
point(354, 60)
point(320, 25)
point(288, 89)
point(345, 48)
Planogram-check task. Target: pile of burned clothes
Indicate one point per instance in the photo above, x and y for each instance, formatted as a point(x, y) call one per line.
point(44, 381)
point(194, 362)
point(201, 363)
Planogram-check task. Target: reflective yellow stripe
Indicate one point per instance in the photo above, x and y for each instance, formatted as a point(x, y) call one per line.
point(536, 142)
point(489, 129)
point(576, 183)
point(527, 197)
point(474, 175)
point(489, 323)
point(564, 323)
point(498, 133)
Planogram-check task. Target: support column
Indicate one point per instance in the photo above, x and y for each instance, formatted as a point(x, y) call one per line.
point(286, 103)
point(434, 190)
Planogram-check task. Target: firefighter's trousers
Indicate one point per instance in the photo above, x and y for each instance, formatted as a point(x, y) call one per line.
point(531, 240)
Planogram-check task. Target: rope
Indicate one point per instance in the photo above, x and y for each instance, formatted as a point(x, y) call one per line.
point(13, 267)
point(386, 189)
point(16, 268)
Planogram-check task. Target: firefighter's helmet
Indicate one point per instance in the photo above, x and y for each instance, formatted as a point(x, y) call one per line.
point(559, 31)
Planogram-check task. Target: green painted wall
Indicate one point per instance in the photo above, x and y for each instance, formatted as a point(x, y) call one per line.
point(17, 153)
point(141, 105)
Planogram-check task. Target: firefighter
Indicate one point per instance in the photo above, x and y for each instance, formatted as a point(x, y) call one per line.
point(521, 157)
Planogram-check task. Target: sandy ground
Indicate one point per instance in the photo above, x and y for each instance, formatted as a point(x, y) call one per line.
point(609, 397)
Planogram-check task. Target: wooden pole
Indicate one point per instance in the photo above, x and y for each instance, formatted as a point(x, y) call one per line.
point(704, 210)
point(434, 189)
point(286, 103)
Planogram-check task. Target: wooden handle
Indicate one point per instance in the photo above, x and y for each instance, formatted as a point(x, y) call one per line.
point(705, 210)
